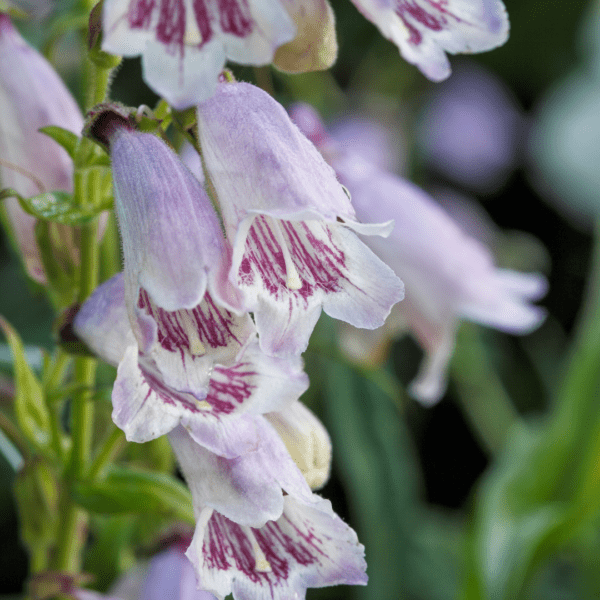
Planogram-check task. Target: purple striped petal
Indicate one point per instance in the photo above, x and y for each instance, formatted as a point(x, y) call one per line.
point(424, 30)
point(184, 45)
point(308, 546)
point(246, 489)
point(289, 270)
point(145, 407)
point(186, 344)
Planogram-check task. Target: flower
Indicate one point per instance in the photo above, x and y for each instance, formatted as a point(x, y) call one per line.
point(448, 275)
point(188, 358)
point(306, 545)
point(289, 221)
point(307, 441)
point(168, 574)
point(314, 46)
point(32, 96)
point(424, 30)
point(184, 45)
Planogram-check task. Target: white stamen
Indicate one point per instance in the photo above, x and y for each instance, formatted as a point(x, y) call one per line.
point(261, 562)
point(196, 346)
point(293, 278)
point(203, 405)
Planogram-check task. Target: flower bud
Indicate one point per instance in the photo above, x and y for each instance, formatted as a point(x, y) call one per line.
point(315, 46)
point(307, 441)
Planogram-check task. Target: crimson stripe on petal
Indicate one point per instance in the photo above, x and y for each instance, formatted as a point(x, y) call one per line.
point(140, 12)
point(412, 13)
point(213, 325)
point(235, 17)
point(202, 20)
point(319, 262)
point(170, 29)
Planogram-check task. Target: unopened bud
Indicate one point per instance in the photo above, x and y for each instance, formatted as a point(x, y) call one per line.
point(307, 442)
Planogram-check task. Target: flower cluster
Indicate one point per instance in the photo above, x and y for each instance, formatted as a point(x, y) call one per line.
point(193, 364)
point(184, 45)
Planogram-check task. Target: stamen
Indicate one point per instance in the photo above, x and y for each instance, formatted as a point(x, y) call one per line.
point(261, 563)
point(293, 278)
point(192, 35)
point(196, 346)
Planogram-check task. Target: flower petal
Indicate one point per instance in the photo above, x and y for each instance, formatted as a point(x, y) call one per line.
point(308, 546)
point(185, 344)
point(259, 162)
point(145, 407)
point(248, 488)
point(424, 29)
point(173, 246)
point(184, 45)
point(102, 321)
point(289, 270)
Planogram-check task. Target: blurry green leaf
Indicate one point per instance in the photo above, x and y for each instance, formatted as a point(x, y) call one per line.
point(129, 491)
point(36, 492)
point(545, 488)
point(31, 411)
point(373, 449)
point(67, 139)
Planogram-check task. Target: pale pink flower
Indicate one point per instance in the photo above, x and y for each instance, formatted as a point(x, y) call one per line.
point(424, 30)
point(32, 96)
point(448, 275)
point(290, 223)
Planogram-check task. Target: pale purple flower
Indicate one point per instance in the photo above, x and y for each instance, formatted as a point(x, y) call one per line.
point(424, 30)
point(145, 406)
point(167, 576)
point(305, 545)
point(471, 129)
point(290, 223)
point(32, 96)
point(448, 275)
point(189, 359)
point(184, 45)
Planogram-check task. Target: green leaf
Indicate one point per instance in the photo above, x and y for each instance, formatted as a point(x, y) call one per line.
point(130, 491)
point(377, 462)
point(67, 139)
point(60, 207)
point(30, 408)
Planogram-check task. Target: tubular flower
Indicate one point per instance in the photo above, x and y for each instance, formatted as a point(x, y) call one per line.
point(191, 360)
point(184, 45)
point(168, 575)
point(289, 220)
point(448, 275)
point(424, 30)
point(306, 545)
point(32, 96)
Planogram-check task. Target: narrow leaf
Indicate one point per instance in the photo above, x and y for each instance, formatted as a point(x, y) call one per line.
point(30, 408)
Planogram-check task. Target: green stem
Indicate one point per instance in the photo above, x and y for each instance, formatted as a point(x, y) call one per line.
point(113, 445)
point(482, 395)
point(98, 83)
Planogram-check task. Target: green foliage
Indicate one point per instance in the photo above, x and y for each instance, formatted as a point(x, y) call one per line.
point(30, 409)
point(130, 491)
